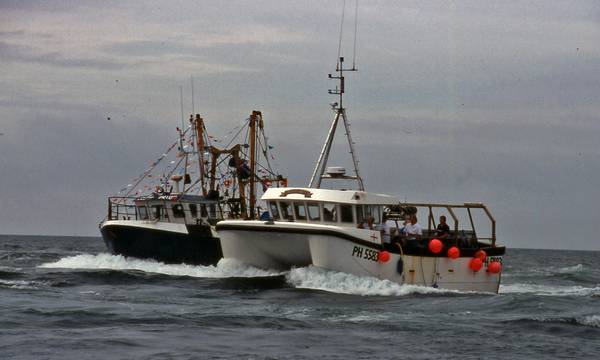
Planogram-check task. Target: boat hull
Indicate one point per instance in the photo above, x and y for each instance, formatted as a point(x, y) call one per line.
point(263, 245)
point(340, 254)
point(166, 242)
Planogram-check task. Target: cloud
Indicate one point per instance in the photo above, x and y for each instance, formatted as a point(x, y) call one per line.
point(27, 54)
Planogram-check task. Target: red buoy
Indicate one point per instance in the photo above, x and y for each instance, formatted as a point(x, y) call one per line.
point(384, 256)
point(494, 267)
point(480, 254)
point(453, 253)
point(435, 246)
point(475, 264)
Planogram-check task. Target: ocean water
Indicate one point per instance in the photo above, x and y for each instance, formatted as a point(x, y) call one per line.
point(66, 298)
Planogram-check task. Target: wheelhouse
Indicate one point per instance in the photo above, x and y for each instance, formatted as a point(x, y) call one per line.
point(184, 209)
point(321, 206)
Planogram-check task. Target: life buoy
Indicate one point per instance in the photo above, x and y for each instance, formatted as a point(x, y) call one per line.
point(267, 182)
point(400, 266)
point(227, 183)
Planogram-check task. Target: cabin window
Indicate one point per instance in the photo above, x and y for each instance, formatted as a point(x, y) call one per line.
point(274, 211)
point(178, 211)
point(360, 217)
point(300, 211)
point(346, 211)
point(203, 212)
point(193, 210)
point(157, 212)
point(286, 211)
point(375, 211)
point(314, 212)
point(330, 212)
point(143, 212)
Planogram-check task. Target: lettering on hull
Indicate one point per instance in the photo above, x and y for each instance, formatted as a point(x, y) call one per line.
point(364, 253)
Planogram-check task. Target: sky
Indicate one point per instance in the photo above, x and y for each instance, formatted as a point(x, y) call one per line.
point(453, 101)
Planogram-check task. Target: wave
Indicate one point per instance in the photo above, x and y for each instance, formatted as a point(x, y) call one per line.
point(571, 269)
point(548, 271)
point(315, 278)
point(587, 320)
point(21, 284)
point(549, 290)
point(226, 268)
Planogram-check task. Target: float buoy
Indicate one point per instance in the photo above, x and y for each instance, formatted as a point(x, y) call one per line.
point(475, 264)
point(227, 183)
point(435, 246)
point(384, 256)
point(453, 253)
point(400, 266)
point(494, 267)
point(481, 255)
point(267, 183)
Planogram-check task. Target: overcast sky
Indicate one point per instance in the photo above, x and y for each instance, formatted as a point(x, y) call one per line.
point(454, 101)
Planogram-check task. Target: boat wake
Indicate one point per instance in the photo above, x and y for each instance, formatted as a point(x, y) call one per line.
point(226, 268)
point(337, 282)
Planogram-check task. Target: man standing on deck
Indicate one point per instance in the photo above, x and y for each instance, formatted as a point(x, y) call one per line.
point(413, 229)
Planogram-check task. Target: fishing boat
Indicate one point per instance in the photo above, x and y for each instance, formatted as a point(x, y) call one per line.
point(349, 230)
point(171, 216)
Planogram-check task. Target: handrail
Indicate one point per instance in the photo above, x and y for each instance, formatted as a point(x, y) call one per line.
point(449, 207)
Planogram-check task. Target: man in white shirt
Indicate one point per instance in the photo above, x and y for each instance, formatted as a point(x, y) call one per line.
point(413, 229)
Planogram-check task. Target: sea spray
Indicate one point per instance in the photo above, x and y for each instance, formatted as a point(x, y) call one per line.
point(224, 269)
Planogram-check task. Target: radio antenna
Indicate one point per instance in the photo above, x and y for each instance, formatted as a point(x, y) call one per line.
point(192, 81)
point(355, 32)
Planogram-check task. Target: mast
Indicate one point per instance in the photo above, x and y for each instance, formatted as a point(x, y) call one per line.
point(252, 183)
point(199, 124)
point(340, 113)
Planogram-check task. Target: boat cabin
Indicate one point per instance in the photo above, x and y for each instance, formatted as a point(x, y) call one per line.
point(343, 207)
point(173, 208)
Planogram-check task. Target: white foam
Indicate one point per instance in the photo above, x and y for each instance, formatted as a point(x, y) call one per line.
point(225, 268)
point(549, 290)
point(591, 320)
point(337, 282)
point(21, 284)
point(571, 269)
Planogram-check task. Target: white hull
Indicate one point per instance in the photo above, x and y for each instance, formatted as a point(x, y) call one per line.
point(279, 250)
point(338, 254)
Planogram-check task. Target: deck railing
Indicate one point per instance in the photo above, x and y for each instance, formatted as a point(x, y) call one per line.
point(451, 210)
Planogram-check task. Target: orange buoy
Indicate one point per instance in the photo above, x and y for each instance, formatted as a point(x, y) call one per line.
point(453, 253)
point(267, 182)
point(384, 256)
point(227, 183)
point(481, 255)
point(475, 264)
point(435, 246)
point(494, 267)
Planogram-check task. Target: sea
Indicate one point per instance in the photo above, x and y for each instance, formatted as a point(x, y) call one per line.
point(67, 298)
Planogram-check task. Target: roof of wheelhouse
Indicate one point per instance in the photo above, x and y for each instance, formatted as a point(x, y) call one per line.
point(337, 196)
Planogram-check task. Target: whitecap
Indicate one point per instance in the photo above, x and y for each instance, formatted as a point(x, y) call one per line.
point(590, 320)
point(224, 269)
point(571, 269)
point(549, 290)
point(21, 284)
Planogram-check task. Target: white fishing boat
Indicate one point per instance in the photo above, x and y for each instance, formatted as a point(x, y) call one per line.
point(349, 230)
